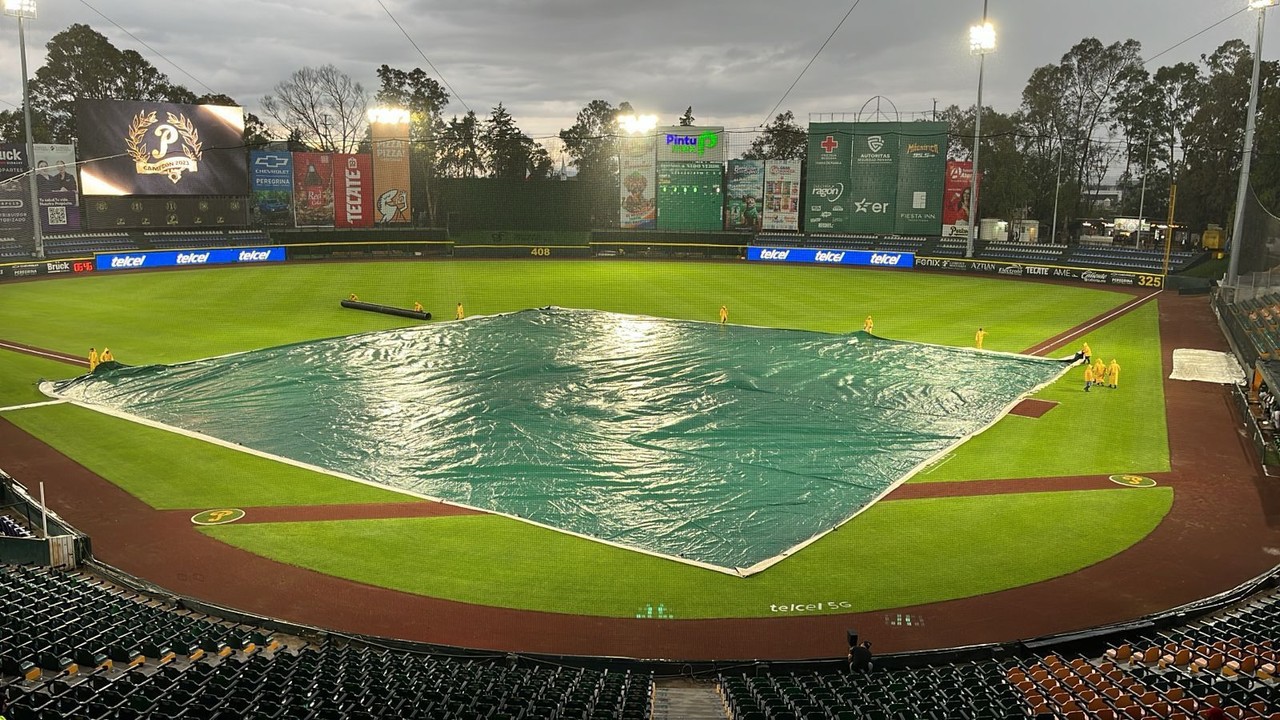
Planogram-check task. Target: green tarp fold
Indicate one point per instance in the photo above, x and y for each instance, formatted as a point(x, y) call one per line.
point(726, 447)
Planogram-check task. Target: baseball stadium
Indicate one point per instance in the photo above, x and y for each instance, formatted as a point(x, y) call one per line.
point(719, 437)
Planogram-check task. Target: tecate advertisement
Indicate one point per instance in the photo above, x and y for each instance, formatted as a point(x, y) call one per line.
point(866, 258)
point(185, 258)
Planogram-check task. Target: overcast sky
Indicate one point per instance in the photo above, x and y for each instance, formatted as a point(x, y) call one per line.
point(732, 60)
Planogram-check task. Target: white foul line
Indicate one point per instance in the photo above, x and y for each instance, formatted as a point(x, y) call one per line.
point(33, 351)
point(1081, 330)
point(32, 405)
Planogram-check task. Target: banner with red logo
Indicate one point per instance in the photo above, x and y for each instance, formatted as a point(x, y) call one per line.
point(830, 162)
point(955, 203)
point(353, 178)
point(313, 189)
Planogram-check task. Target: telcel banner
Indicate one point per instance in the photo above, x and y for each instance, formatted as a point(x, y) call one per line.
point(180, 258)
point(832, 257)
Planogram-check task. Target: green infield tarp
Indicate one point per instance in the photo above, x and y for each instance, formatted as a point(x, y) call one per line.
point(727, 447)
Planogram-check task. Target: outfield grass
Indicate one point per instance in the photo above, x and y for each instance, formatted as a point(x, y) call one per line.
point(170, 471)
point(174, 316)
point(896, 554)
point(182, 315)
point(1103, 431)
point(19, 374)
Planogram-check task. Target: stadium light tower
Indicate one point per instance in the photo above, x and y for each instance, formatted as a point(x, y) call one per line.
point(1242, 192)
point(24, 9)
point(982, 41)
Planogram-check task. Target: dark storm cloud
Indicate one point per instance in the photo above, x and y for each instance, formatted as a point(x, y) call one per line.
point(545, 59)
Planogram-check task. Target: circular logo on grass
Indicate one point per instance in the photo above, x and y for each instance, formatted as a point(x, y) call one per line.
point(217, 517)
point(1133, 481)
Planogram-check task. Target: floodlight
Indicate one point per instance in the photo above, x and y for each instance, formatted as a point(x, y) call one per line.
point(1260, 4)
point(20, 8)
point(636, 124)
point(388, 115)
point(982, 39)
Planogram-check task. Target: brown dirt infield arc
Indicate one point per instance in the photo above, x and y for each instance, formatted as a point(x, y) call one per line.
point(1221, 531)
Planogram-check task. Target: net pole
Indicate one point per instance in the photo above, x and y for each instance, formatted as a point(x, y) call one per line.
point(1168, 236)
point(1237, 227)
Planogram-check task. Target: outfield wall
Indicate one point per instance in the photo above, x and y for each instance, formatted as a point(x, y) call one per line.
point(683, 246)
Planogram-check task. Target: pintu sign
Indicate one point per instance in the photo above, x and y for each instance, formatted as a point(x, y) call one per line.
point(832, 257)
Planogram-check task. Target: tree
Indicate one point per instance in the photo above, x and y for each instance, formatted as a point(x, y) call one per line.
point(459, 153)
point(82, 64)
point(1004, 191)
point(592, 145)
point(1214, 135)
point(686, 120)
point(510, 152)
point(324, 105)
point(781, 139)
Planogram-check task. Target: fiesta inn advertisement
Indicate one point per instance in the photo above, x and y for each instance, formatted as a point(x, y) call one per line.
point(157, 148)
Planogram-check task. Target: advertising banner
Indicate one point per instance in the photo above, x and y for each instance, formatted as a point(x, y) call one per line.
point(873, 180)
point(353, 174)
point(689, 195)
point(45, 267)
point(955, 206)
point(1044, 272)
point(639, 208)
point(163, 213)
point(827, 202)
point(832, 257)
point(922, 162)
point(183, 258)
point(313, 183)
point(58, 188)
point(271, 180)
point(15, 194)
point(391, 172)
point(745, 200)
point(782, 195)
point(156, 148)
point(690, 144)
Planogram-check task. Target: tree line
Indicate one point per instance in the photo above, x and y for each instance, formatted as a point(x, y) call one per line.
point(1099, 113)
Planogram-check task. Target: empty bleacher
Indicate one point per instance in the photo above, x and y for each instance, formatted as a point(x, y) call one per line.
point(1023, 253)
point(84, 244)
point(1130, 259)
point(950, 247)
point(1260, 318)
point(978, 691)
point(72, 646)
point(176, 240)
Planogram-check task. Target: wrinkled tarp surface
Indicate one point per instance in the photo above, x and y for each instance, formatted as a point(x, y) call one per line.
point(724, 446)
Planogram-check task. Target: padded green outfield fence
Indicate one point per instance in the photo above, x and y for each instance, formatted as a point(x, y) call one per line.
point(726, 447)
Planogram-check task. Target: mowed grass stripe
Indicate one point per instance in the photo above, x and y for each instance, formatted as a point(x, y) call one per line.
point(896, 554)
point(183, 315)
point(172, 316)
point(169, 471)
point(19, 374)
point(1100, 432)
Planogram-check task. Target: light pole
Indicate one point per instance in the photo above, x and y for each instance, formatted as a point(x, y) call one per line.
point(1057, 187)
point(23, 9)
point(1237, 227)
point(982, 40)
point(1142, 199)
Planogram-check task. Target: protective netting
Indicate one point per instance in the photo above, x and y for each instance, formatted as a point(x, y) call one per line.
point(722, 446)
